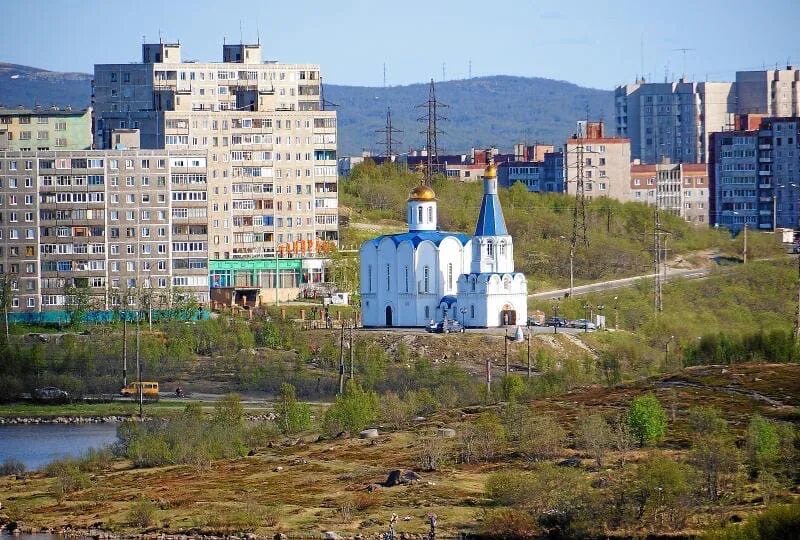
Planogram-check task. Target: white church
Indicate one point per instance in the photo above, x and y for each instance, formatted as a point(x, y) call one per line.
point(423, 275)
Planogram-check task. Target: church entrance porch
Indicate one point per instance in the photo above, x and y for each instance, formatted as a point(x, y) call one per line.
point(508, 316)
point(388, 315)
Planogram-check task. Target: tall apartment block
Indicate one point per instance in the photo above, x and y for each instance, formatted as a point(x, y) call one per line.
point(117, 224)
point(672, 120)
point(681, 189)
point(604, 160)
point(25, 130)
point(539, 168)
point(755, 174)
point(272, 184)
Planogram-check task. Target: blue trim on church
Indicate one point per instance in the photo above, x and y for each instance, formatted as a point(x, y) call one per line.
point(417, 237)
point(490, 220)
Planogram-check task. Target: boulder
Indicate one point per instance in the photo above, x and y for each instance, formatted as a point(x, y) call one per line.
point(570, 462)
point(330, 535)
point(447, 433)
point(409, 477)
point(394, 478)
point(371, 433)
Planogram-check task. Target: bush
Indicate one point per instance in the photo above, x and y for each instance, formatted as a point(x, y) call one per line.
point(11, 467)
point(142, 513)
point(594, 435)
point(781, 521)
point(69, 479)
point(481, 440)
point(292, 416)
point(353, 411)
point(647, 420)
point(762, 445)
point(508, 523)
point(542, 437)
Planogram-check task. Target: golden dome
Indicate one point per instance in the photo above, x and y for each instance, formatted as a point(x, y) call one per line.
point(422, 193)
point(491, 171)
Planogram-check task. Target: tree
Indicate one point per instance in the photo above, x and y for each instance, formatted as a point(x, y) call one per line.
point(5, 299)
point(647, 420)
point(660, 493)
point(352, 411)
point(715, 456)
point(762, 445)
point(77, 300)
point(293, 416)
point(621, 436)
point(229, 411)
point(513, 387)
point(595, 436)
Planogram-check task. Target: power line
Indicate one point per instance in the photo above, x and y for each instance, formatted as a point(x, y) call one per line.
point(432, 118)
point(389, 142)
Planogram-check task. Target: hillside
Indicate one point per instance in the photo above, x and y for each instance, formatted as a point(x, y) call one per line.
point(305, 485)
point(29, 86)
point(498, 110)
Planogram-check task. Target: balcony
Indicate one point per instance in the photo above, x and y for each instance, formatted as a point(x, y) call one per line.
point(765, 160)
point(765, 147)
point(765, 173)
point(764, 186)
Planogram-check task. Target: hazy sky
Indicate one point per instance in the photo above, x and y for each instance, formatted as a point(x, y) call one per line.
point(592, 43)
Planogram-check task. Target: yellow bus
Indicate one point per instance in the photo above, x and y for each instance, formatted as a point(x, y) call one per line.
point(149, 390)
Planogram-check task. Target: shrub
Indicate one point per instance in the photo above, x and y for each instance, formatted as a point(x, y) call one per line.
point(69, 479)
point(292, 415)
point(762, 444)
point(508, 523)
point(594, 435)
point(781, 521)
point(647, 420)
point(352, 411)
point(542, 437)
point(11, 467)
point(142, 513)
point(433, 452)
point(364, 500)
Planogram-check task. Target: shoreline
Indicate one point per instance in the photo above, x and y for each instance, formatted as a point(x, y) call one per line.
point(112, 419)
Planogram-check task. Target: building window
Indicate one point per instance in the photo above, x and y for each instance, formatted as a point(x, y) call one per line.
point(490, 248)
point(427, 312)
point(406, 276)
point(388, 277)
point(369, 278)
point(502, 248)
point(426, 279)
point(449, 275)
point(430, 214)
point(419, 215)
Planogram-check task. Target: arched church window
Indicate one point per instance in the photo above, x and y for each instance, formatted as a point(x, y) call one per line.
point(369, 278)
point(419, 215)
point(430, 214)
point(449, 275)
point(426, 279)
point(427, 312)
point(473, 281)
point(388, 277)
point(490, 248)
point(507, 283)
point(472, 311)
point(406, 276)
point(502, 248)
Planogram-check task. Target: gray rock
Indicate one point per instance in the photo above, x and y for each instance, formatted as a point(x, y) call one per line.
point(371, 433)
point(330, 535)
point(447, 433)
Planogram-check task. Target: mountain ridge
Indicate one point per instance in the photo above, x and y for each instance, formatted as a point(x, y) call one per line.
point(496, 110)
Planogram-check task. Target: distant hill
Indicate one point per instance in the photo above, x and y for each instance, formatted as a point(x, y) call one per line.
point(498, 110)
point(483, 111)
point(29, 86)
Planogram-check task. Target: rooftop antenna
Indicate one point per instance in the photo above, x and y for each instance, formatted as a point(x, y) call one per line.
point(258, 36)
point(241, 36)
point(159, 36)
point(144, 39)
point(641, 55)
point(666, 72)
point(470, 68)
point(443, 71)
point(384, 74)
point(684, 50)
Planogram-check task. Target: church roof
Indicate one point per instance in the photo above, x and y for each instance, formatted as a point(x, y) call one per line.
point(490, 220)
point(417, 237)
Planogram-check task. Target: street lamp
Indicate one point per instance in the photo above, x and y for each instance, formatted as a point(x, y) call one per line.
point(586, 307)
point(600, 309)
point(463, 311)
point(616, 313)
point(744, 249)
point(666, 350)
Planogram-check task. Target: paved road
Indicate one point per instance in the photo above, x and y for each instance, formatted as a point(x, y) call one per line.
point(496, 331)
point(689, 273)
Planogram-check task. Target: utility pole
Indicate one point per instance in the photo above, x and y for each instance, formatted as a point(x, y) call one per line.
point(389, 143)
point(744, 250)
point(505, 341)
point(431, 118)
point(341, 361)
point(530, 373)
point(657, 301)
point(579, 210)
point(139, 365)
point(488, 377)
point(797, 313)
point(352, 369)
point(124, 349)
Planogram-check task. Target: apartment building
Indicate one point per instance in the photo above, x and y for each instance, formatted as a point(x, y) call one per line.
point(679, 188)
point(772, 92)
point(273, 184)
point(672, 120)
point(115, 223)
point(754, 175)
point(604, 162)
point(537, 175)
point(26, 130)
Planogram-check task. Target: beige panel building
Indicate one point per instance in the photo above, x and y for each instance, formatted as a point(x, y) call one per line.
point(605, 162)
point(681, 189)
point(773, 92)
point(115, 223)
point(26, 130)
point(273, 183)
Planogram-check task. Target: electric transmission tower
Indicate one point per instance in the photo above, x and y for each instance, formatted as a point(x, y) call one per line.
point(322, 101)
point(389, 143)
point(432, 119)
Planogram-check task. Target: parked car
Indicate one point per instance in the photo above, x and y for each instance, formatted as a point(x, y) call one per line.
point(583, 324)
point(536, 318)
point(51, 394)
point(445, 327)
point(556, 321)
